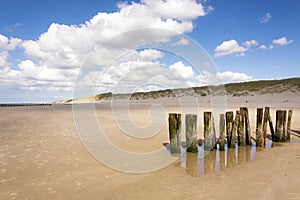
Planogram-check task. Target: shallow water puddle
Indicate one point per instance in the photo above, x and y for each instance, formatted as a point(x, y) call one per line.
point(203, 162)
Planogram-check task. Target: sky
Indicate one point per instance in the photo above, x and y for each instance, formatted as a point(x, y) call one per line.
point(49, 47)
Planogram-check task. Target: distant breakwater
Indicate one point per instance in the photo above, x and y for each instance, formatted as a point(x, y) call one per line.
point(24, 104)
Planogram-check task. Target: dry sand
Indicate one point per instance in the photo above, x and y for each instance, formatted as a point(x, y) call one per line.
point(42, 157)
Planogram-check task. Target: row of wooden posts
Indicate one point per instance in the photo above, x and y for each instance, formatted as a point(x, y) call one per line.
point(237, 129)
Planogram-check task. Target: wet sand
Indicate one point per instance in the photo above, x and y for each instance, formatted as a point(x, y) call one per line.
point(42, 157)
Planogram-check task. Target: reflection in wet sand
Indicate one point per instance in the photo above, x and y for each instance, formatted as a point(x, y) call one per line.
point(203, 162)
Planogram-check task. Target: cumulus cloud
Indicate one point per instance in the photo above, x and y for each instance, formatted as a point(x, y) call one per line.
point(264, 47)
point(3, 59)
point(184, 71)
point(182, 41)
point(207, 78)
point(30, 70)
point(54, 59)
point(265, 18)
point(277, 43)
point(250, 43)
point(233, 47)
point(65, 46)
point(30, 76)
point(150, 54)
point(142, 76)
point(282, 41)
point(136, 76)
point(8, 43)
point(229, 47)
point(230, 77)
point(177, 9)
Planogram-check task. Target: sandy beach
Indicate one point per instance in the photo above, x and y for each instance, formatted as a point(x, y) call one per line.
point(42, 157)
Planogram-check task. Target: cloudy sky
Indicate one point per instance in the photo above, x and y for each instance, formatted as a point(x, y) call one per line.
point(46, 45)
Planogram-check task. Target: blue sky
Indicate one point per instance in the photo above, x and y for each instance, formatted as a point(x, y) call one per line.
point(43, 43)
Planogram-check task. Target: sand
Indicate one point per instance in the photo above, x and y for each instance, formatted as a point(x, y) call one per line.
point(42, 157)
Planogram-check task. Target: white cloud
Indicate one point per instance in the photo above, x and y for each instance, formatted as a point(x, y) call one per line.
point(3, 59)
point(135, 76)
point(265, 18)
point(230, 77)
point(8, 43)
point(277, 43)
point(9, 76)
point(30, 70)
point(184, 71)
point(229, 47)
point(282, 41)
point(264, 47)
point(183, 41)
point(250, 43)
point(207, 78)
point(54, 59)
point(233, 47)
point(177, 9)
point(66, 46)
point(150, 54)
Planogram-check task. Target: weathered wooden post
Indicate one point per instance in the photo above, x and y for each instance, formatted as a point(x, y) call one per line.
point(208, 132)
point(242, 135)
point(278, 129)
point(214, 131)
point(289, 122)
point(191, 133)
point(247, 126)
point(283, 139)
point(259, 119)
point(235, 129)
point(271, 127)
point(264, 129)
point(222, 140)
point(174, 132)
point(229, 129)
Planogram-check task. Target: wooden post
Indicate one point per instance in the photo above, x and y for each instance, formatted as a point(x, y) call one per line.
point(214, 140)
point(278, 129)
point(174, 132)
point(222, 140)
point(289, 122)
point(259, 119)
point(271, 127)
point(191, 133)
point(242, 135)
point(235, 129)
point(264, 129)
point(229, 129)
point(283, 139)
point(247, 126)
point(208, 132)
